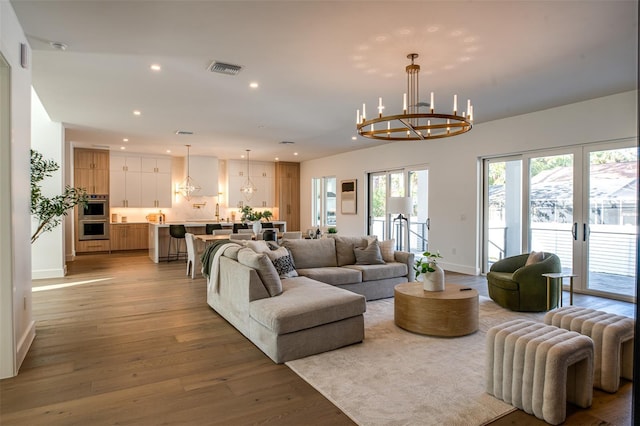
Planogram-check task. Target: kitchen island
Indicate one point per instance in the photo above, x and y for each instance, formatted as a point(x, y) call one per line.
point(159, 235)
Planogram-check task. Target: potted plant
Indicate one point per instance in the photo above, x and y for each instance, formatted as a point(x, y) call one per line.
point(429, 272)
point(248, 215)
point(267, 215)
point(49, 211)
point(332, 230)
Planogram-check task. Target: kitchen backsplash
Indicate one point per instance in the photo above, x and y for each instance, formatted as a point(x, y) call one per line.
point(182, 210)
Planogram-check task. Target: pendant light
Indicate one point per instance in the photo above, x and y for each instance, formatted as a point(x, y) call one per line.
point(189, 186)
point(248, 188)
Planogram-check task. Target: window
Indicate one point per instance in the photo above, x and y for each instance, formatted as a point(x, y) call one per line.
point(324, 201)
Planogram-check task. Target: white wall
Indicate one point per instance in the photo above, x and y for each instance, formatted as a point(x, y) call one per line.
point(17, 328)
point(47, 137)
point(454, 167)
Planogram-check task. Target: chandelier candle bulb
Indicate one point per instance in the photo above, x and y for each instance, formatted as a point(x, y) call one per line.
point(432, 104)
point(404, 103)
point(358, 116)
point(364, 112)
point(468, 106)
point(380, 107)
point(455, 104)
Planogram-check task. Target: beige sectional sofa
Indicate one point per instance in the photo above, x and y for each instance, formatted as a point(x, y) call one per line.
point(319, 310)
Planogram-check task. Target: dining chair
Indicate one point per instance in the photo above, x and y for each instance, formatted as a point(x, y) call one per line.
point(240, 236)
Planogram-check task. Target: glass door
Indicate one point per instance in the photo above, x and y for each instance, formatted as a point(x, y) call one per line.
point(502, 209)
point(383, 185)
point(579, 203)
point(609, 232)
point(418, 190)
point(550, 208)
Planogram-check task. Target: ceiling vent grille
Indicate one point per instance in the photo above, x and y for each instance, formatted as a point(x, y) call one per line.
point(184, 132)
point(223, 68)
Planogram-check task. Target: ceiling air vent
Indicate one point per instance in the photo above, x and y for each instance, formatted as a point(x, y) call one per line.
point(183, 132)
point(222, 68)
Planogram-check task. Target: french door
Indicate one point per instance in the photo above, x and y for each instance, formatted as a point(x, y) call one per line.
point(579, 203)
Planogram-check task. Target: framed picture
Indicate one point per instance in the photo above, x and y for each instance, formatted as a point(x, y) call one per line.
point(348, 196)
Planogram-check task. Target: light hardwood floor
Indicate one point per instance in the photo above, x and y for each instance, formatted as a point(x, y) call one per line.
point(124, 341)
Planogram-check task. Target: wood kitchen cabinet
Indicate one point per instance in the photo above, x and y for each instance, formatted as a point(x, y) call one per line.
point(288, 194)
point(92, 246)
point(91, 170)
point(129, 236)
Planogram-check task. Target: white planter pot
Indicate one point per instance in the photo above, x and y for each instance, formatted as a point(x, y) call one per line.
point(433, 281)
point(257, 227)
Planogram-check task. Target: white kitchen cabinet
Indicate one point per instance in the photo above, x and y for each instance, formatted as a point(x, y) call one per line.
point(262, 175)
point(124, 182)
point(204, 171)
point(155, 182)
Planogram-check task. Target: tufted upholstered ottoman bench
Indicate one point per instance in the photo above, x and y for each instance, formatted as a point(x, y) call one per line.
point(538, 368)
point(612, 337)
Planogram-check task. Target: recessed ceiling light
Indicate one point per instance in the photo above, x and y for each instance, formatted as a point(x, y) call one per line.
point(136, 112)
point(253, 85)
point(58, 45)
point(353, 138)
point(125, 140)
point(122, 147)
point(277, 158)
point(155, 67)
point(168, 151)
point(295, 153)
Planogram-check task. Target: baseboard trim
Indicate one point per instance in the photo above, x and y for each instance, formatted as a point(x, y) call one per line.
point(47, 273)
point(25, 343)
point(461, 269)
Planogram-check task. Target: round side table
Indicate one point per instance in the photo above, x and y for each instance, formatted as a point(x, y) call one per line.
point(452, 312)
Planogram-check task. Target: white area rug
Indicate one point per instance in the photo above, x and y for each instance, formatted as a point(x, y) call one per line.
point(396, 377)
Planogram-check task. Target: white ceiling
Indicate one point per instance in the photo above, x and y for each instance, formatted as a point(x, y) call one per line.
point(316, 63)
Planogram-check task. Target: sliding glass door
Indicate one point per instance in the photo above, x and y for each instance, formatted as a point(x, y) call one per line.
point(579, 203)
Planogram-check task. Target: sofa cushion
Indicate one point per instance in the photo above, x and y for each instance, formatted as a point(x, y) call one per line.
point(312, 253)
point(333, 275)
point(344, 249)
point(262, 264)
point(283, 262)
point(380, 272)
point(369, 255)
point(304, 304)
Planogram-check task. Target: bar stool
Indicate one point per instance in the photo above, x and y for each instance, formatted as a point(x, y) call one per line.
point(176, 232)
point(237, 226)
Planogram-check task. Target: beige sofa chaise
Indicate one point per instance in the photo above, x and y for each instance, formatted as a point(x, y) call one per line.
point(293, 317)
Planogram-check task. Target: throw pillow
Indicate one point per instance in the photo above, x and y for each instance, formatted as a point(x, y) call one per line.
point(369, 255)
point(259, 246)
point(534, 257)
point(387, 250)
point(283, 262)
point(262, 264)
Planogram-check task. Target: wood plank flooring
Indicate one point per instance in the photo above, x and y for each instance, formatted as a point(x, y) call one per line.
point(124, 341)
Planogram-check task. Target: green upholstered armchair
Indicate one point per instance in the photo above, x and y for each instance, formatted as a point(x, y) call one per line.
point(515, 286)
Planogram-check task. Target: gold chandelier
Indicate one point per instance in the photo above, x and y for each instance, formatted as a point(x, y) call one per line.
point(412, 125)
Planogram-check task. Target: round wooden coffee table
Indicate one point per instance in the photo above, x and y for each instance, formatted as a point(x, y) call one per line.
point(452, 312)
